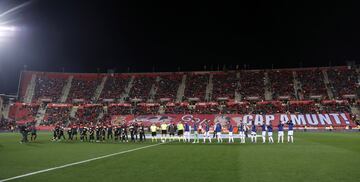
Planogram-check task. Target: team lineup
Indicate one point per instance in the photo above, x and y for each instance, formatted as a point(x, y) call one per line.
point(182, 131)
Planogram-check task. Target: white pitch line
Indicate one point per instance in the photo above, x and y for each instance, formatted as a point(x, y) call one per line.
point(80, 162)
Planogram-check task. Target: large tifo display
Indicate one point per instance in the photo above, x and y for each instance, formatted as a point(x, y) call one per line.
point(300, 120)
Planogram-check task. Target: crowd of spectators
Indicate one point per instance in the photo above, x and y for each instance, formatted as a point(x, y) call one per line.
point(56, 115)
point(312, 83)
point(237, 108)
point(336, 106)
point(89, 113)
point(177, 109)
point(20, 112)
point(83, 88)
point(252, 84)
point(142, 110)
point(118, 110)
point(196, 86)
point(303, 107)
point(343, 81)
point(207, 109)
point(141, 87)
point(268, 107)
point(114, 87)
point(168, 86)
point(48, 87)
point(281, 83)
point(224, 85)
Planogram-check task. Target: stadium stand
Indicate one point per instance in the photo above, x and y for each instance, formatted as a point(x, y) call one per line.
point(344, 82)
point(249, 83)
point(224, 85)
point(49, 86)
point(282, 84)
point(83, 87)
point(312, 83)
point(114, 86)
point(142, 86)
point(196, 85)
point(168, 86)
point(252, 85)
point(89, 113)
point(56, 114)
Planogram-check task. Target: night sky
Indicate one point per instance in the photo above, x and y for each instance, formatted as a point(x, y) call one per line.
point(84, 36)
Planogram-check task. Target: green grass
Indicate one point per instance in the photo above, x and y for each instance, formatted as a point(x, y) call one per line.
point(313, 157)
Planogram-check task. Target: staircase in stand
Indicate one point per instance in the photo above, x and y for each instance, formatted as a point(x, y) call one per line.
point(268, 92)
point(153, 89)
point(181, 89)
point(30, 90)
point(297, 87)
point(66, 90)
point(237, 94)
point(99, 89)
point(327, 84)
point(5, 111)
point(73, 111)
point(209, 89)
point(127, 89)
point(40, 115)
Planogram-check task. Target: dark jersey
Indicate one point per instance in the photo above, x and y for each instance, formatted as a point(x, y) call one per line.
point(97, 130)
point(84, 131)
point(141, 129)
point(172, 128)
point(109, 129)
point(91, 131)
point(33, 130)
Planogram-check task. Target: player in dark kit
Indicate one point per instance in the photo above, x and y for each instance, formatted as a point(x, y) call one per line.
point(61, 133)
point(55, 132)
point(172, 130)
point(117, 133)
point(91, 134)
point(69, 132)
point(124, 133)
point(103, 133)
point(110, 132)
point(97, 133)
point(81, 128)
point(83, 134)
point(33, 133)
point(24, 133)
point(74, 129)
point(136, 128)
point(142, 133)
point(132, 132)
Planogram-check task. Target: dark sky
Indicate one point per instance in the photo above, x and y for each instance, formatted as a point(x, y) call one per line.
point(83, 35)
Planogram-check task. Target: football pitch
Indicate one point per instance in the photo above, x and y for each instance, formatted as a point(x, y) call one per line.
point(313, 157)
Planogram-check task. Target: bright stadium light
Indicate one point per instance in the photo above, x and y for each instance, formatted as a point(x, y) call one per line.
point(7, 31)
point(7, 34)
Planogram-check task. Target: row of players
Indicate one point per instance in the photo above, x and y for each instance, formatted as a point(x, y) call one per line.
point(184, 132)
point(100, 133)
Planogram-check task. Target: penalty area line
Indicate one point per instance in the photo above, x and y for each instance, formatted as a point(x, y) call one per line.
point(80, 162)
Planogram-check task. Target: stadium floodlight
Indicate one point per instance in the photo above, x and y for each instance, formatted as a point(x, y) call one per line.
point(7, 31)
